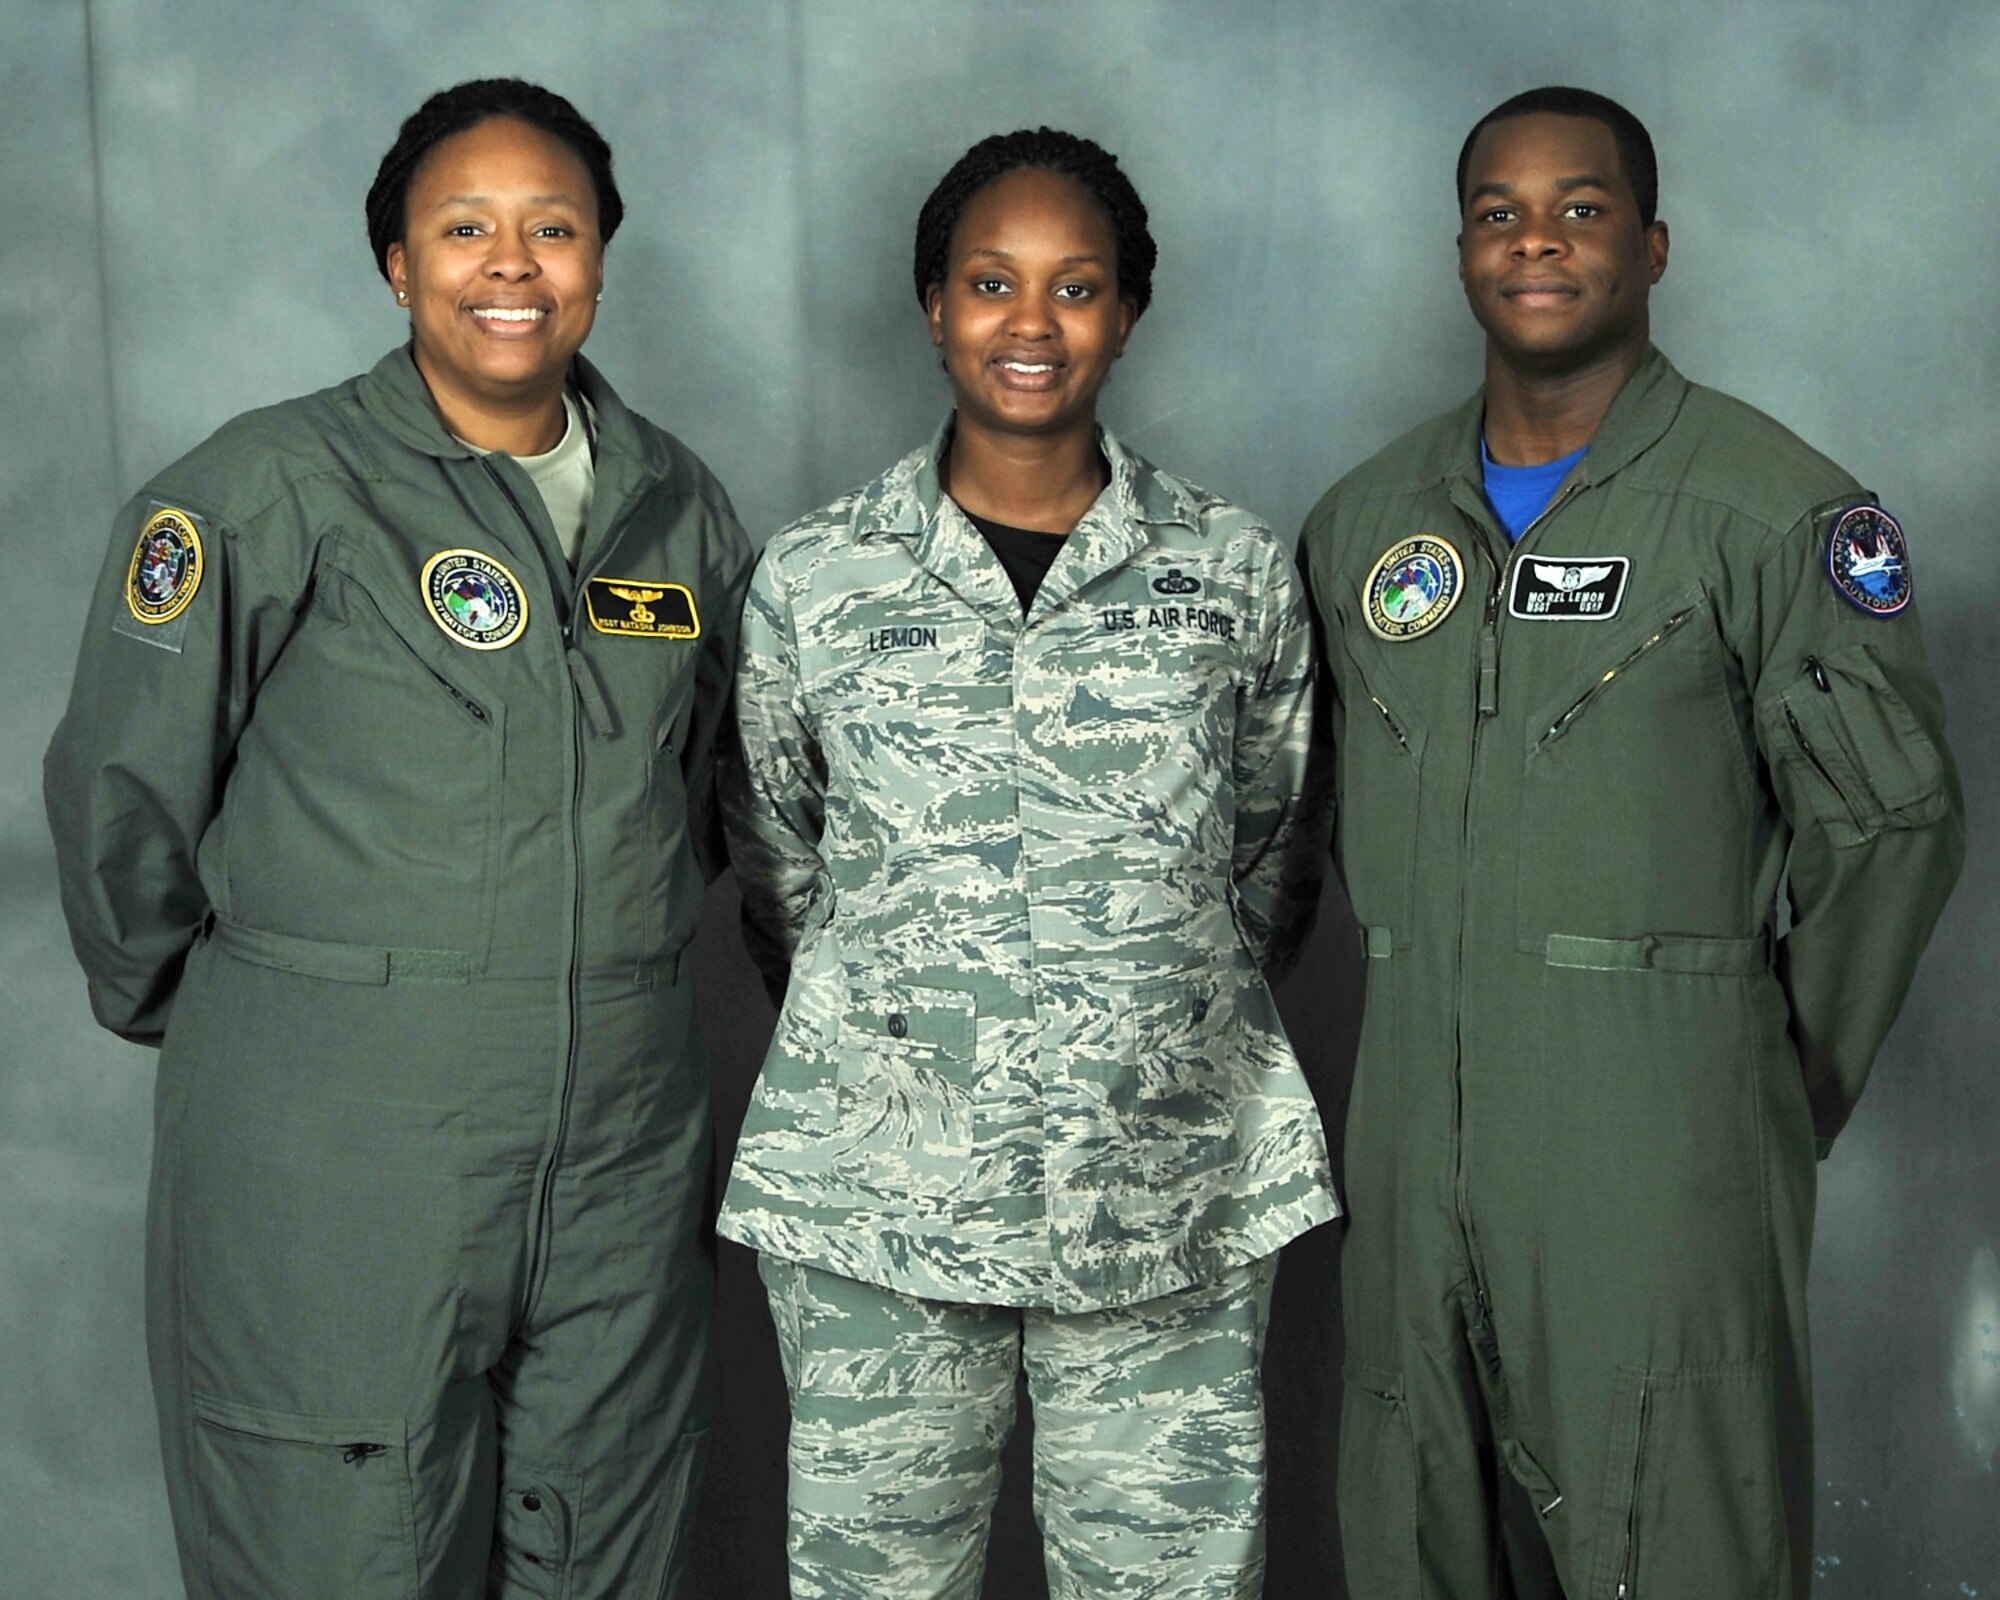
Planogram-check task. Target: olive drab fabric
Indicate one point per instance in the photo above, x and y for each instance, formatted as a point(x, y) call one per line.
point(1027, 876)
point(1598, 1059)
point(395, 846)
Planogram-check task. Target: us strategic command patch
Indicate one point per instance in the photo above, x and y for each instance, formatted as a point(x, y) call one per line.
point(1412, 588)
point(474, 599)
point(1576, 589)
point(166, 567)
point(644, 607)
point(1869, 560)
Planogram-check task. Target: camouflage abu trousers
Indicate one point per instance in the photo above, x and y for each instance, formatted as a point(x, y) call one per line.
point(1149, 1438)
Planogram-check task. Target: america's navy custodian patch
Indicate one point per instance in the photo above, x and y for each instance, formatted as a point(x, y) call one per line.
point(1413, 587)
point(166, 567)
point(474, 599)
point(642, 607)
point(1869, 560)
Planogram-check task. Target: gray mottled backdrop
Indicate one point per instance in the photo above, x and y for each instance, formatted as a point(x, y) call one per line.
point(182, 238)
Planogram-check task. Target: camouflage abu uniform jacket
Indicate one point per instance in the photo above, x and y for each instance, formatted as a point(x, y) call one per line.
point(1023, 874)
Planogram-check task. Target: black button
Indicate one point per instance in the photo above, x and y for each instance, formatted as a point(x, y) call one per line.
point(531, 1501)
point(899, 1025)
point(1200, 1008)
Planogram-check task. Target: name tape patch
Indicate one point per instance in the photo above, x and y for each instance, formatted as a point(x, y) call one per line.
point(474, 599)
point(642, 608)
point(1412, 587)
point(1577, 589)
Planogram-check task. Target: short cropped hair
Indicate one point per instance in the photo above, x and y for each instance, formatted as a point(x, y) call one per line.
point(466, 105)
point(1090, 164)
point(1635, 145)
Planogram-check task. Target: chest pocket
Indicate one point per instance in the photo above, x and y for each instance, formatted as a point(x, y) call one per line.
point(1379, 751)
point(364, 804)
point(1637, 788)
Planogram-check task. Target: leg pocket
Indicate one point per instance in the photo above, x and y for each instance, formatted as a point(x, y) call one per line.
point(1692, 1503)
point(1378, 1485)
point(304, 1507)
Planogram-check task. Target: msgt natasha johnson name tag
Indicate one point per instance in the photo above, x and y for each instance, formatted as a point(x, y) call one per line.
point(643, 607)
point(1578, 589)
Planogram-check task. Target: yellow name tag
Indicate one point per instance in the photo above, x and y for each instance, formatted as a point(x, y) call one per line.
point(642, 606)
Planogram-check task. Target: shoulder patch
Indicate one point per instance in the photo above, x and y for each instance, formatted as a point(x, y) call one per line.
point(167, 566)
point(474, 599)
point(1869, 560)
point(1412, 587)
point(643, 607)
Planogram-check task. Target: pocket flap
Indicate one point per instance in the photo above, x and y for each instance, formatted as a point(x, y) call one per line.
point(902, 1016)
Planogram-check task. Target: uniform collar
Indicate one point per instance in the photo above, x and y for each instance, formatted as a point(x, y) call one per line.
point(908, 502)
point(394, 394)
point(1640, 414)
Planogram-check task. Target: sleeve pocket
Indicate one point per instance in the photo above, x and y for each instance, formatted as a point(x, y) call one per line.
point(1848, 752)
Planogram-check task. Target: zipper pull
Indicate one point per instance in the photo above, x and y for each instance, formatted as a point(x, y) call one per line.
point(1818, 675)
point(355, 1454)
point(1489, 671)
point(1479, 1300)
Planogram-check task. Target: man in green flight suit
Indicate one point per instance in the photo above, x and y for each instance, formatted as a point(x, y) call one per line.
point(1646, 813)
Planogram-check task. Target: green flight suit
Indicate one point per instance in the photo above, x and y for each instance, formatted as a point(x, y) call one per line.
point(1598, 1059)
point(396, 858)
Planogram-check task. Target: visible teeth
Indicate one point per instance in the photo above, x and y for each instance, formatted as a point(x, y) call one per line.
point(509, 313)
point(1023, 366)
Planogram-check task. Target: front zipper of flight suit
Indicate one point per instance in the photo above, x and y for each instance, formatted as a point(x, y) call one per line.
point(545, 1180)
point(1624, 1591)
point(1486, 703)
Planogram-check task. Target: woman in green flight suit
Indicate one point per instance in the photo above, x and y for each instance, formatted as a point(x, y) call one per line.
point(382, 806)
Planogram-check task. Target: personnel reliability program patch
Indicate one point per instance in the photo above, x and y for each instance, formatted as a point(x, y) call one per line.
point(166, 567)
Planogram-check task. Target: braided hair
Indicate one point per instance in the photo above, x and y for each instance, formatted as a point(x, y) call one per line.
point(1635, 144)
point(463, 106)
point(1090, 164)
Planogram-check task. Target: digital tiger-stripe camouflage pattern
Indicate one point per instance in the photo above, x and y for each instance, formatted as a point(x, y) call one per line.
point(1027, 877)
point(1149, 1439)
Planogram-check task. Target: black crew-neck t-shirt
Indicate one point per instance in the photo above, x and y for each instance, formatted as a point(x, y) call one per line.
point(1026, 553)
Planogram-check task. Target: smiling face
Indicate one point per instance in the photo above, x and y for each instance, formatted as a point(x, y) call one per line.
point(1029, 317)
point(501, 262)
point(1555, 260)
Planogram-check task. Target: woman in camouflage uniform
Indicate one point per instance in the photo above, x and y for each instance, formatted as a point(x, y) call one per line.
point(1025, 732)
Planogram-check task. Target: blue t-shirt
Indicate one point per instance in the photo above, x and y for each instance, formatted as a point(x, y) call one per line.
point(1518, 495)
